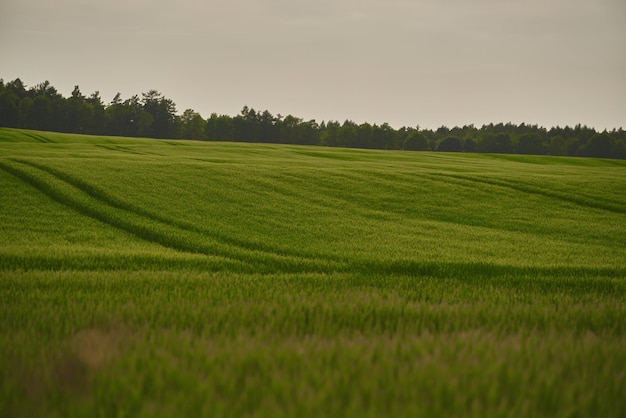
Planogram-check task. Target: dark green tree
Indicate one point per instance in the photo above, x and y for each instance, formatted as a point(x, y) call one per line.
point(246, 126)
point(98, 122)
point(114, 116)
point(163, 113)
point(619, 149)
point(268, 129)
point(495, 143)
point(192, 125)
point(531, 143)
point(365, 136)
point(449, 144)
point(23, 112)
point(416, 141)
point(78, 114)
point(294, 130)
point(384, 137)
point(329, 133)
point(348, 134)
point(309, 132)
point(44, 89)
point(17, 87)
point(600, 146)
point(557, 146)
point(469, 145)
point(9, 107)
point(40, 115)
point(127, 118)
point(219, 128)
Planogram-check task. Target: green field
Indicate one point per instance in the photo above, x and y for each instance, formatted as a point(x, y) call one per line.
point(175, 278)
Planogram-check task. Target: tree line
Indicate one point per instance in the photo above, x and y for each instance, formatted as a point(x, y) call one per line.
point(42, 107)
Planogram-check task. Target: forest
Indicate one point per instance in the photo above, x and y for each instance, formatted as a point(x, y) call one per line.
point(151, 115)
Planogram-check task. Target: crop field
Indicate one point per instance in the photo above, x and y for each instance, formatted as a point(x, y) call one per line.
point(164, 278)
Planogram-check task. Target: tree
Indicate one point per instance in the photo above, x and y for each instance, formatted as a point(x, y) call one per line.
point(44, 89)
point(347, 135)
point(308, 133)
point(416, 141)
point(469, 146)
point(40, 115)
point(246, 126)
point(290, 130)
point(45, 112)
point(619, 149)
point(9, 107)
point(384, 137)
point(127, 118)
point(531, 143)
point(98, 122)
point(78, 113)
point(450, 144)
point(219, 128)
point(495, 143)
point(268, 130)
point(117, 99)
point(192, 125)
point(114, 116)
point(329, 133)
point(557, 146)
point(163, 113)
point(23, 112)
point(573, 146)
point(600, 146)
point(17, 87)
point(76, 94)
point(143, 123)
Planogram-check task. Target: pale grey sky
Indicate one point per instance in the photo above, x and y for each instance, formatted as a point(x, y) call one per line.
point(408, 63)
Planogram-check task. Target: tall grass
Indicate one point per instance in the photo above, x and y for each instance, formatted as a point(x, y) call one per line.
point(224, 344)
point(176, 278)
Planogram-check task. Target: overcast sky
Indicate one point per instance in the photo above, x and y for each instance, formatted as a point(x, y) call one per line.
point(405, 62)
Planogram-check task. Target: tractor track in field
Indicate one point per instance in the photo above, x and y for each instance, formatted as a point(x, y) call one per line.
point(39, 138)
point(146, 225)
point(240, 255)
point(101, 214)
point(122, 149)
point(582, 200)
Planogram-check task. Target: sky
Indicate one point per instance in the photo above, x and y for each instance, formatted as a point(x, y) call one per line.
point(426, 63)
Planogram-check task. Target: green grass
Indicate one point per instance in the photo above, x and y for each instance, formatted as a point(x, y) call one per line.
point(176, 278)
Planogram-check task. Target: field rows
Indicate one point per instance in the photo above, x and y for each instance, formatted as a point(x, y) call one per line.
point(177, 278)
point(326, 217)
point(139, 222)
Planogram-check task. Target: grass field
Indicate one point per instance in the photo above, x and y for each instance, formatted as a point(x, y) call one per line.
point(173, 278)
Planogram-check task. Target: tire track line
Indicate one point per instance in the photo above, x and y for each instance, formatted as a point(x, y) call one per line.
point(117, 217)
point(578, 200)
point(154, 228)
point(94, 192)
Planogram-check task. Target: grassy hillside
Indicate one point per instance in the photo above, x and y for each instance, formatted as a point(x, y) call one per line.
point(142, 277)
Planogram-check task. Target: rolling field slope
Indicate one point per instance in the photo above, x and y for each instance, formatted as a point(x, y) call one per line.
point(142, 277)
